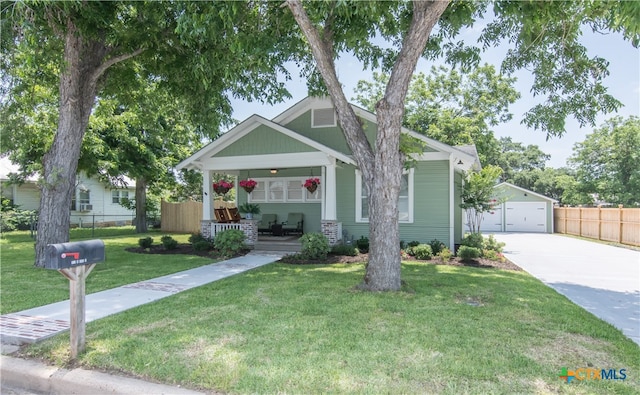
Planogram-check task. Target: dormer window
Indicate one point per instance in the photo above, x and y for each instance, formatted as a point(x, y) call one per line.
point(323, 118)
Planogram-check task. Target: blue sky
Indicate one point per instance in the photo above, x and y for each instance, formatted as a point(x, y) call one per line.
point(623, 83)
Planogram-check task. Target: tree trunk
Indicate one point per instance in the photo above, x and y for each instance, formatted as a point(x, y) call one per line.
point(382, 170)
point(77, 94)
point(141, 205)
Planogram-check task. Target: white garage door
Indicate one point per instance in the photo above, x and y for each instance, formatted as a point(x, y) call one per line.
point(526, 217)
point(491, 221)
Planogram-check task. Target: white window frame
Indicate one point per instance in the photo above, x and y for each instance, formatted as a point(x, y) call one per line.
point(313, 118)
point(120, 195)
point(285, 181)
point(358, 185)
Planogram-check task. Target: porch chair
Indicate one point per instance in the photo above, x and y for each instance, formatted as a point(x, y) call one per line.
point(293, 224)
point(234, 215)
point(266, 222)
point(222, 217)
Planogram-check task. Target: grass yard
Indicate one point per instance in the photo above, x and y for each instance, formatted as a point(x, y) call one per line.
point(25, 286)
point(303, 329)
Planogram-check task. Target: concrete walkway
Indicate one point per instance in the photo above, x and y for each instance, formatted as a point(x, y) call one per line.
point(39, 323)
point(33, 325)
point(603, 279)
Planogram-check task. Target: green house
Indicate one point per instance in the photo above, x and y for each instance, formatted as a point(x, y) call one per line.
point(305, 142)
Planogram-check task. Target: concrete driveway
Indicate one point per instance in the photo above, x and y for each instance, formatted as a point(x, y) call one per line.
point(603, 279)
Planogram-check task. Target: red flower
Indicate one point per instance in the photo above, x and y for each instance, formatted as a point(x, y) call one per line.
point(311, 182)
point(249, 183)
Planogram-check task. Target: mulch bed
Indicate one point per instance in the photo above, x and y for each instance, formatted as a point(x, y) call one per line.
point(187, 249)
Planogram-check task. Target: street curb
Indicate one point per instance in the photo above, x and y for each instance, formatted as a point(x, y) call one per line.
point(35, 376)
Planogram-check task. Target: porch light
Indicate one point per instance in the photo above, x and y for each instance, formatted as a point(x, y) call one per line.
point(274, 171)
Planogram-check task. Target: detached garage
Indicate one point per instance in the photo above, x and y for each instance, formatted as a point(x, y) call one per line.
point(521, 210)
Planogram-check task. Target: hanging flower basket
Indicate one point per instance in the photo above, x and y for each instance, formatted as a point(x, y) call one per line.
point(311, 184)
point(222, 187)
point(248, 185)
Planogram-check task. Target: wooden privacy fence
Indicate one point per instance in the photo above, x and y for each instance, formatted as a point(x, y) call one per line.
point(620, 225)
point(185, 217)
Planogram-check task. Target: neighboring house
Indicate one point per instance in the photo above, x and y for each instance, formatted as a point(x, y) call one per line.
point(305, 141)
point(93, 200)
point(518, 210)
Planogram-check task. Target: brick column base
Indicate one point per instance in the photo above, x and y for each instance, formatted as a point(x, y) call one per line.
point(332, 230)
point(205, 228)
point(250, 229)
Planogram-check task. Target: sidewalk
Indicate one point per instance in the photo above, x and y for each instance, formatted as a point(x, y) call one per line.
point(37, 324)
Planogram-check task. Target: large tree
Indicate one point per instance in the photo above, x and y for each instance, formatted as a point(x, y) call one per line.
point(452, 107)
point(543, 38)
point(86, 47)
point(607, 162)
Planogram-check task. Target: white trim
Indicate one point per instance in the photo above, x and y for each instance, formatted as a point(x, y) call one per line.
point(410, 192)
point(452, 212)
point(270, 161)
point(207, 194)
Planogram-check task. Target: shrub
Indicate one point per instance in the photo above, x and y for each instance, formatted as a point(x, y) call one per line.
point(202, 245)
point(413, 243)
point(467, 253)
point(493, 255)
point(145, 242)
point(436, 246)
point(422, 252)
point(314, 246)
point(445, 254)
point(363, 244)
point(403, 244)
point(474, 240)
point(169, 242)
point(490, 243)
point(345, 249)
point(196, 237)
point(230, 242)
point(16, 219)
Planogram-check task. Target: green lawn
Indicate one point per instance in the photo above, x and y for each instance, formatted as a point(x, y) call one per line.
point(25, 286)
point(304, 329)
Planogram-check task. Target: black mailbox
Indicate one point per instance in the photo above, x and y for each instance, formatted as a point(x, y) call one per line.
point(66, 255)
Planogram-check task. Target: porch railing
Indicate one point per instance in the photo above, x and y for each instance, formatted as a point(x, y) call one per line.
point(218, 227)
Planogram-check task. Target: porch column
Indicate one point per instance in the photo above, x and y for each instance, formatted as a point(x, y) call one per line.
point(207, 195)
point(329, 212)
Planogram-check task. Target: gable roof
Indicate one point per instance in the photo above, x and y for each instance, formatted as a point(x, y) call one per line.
point(247, 126)
point(466, 154)
point(510, 185)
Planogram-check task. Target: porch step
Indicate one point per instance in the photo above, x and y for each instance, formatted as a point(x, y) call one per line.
point(292, 247)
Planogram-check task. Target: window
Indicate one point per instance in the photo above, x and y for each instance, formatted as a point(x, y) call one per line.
point(117, 196)
point(405, 202)
point(283, 190)
point(323, 118)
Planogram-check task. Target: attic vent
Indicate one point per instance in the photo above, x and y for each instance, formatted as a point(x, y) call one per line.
point(323, 117)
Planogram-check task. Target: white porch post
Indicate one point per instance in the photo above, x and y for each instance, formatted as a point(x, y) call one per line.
point(207, 195)
point(329, 212)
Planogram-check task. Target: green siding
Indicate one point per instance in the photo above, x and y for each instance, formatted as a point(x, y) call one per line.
point(457, 200)
point(431, 203)
point(262, 141)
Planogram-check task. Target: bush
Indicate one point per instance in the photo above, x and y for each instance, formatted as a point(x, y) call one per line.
point(422, 252)
point(467, 253)
point(196, 237)
point(202, 245)
point(445, 254)
point(345, 249)
point(490, 243)
point(403, 244)
point(493, 255)
point(413, 243)
point(169, 242)
point(16, 219)
point(314, 246)
point(230, 242)
point(363, 244)
point(436, 246)
point(145, 242)
point(474, 240)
